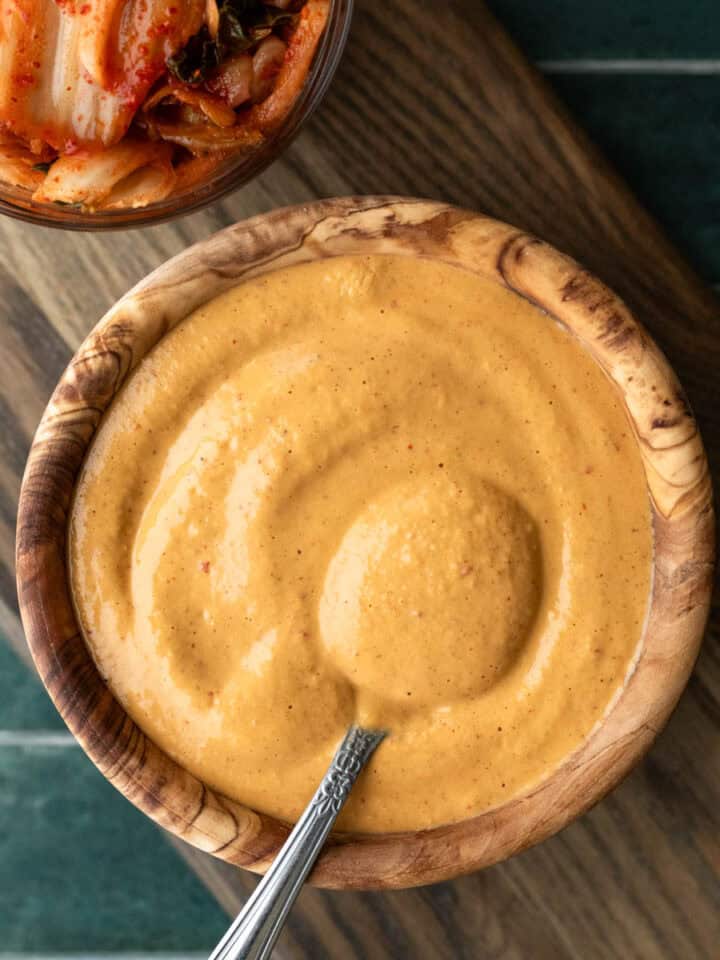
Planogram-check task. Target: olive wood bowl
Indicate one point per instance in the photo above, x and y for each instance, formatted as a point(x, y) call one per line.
point(678, 486)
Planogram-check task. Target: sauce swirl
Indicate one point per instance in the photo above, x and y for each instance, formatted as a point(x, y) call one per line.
point(366, 488)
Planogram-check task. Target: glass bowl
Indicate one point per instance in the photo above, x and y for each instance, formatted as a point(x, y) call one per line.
point(233, 173)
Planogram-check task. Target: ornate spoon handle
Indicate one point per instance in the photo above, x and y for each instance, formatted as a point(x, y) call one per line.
point(253, 933)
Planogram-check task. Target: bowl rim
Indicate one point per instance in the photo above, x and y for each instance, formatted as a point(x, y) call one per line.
point(679, 492)
point(231, 175)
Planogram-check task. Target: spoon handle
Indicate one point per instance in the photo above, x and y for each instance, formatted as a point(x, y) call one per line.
point(254, 931)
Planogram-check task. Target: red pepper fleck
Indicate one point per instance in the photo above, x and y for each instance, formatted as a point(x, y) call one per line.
point(23, 79)
point(205, 566)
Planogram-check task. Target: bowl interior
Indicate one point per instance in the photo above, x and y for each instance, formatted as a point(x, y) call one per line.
point(678, 487)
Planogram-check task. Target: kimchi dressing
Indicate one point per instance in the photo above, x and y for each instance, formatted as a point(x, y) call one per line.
point(372, 489)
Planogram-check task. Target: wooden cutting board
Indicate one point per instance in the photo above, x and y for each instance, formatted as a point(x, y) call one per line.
point(434, 100)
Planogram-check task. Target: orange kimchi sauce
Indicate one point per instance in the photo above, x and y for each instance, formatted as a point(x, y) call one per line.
point(371, 489)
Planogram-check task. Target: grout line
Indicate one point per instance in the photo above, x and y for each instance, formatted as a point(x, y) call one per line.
point(649, 66)
point(36, 738)
point(103, 956)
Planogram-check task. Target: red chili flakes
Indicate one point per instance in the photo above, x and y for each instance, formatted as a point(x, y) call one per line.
point(205, 566)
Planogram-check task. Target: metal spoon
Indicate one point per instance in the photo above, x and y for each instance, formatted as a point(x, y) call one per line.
point(254, 931)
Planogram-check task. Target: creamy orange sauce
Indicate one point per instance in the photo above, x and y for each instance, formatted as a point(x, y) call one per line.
point(375, 489)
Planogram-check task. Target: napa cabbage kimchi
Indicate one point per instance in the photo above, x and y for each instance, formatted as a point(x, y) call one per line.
point(120, 103)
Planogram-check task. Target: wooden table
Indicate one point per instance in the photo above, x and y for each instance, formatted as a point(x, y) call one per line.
point(448, 111)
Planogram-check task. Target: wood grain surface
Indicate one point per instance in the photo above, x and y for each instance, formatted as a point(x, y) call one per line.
point(443, 106)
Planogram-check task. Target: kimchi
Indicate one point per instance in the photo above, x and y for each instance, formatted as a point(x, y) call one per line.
point(120, 103)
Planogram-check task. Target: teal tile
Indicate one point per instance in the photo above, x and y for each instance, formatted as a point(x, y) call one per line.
point(663, 135)
point(24, 704)
point(566, 29)
point(82, 871)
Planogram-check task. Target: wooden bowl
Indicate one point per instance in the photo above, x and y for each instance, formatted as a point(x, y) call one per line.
point(678, 484)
